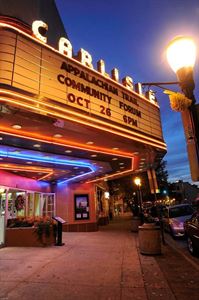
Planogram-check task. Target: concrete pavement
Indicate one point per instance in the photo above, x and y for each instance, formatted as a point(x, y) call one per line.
point(93, 265)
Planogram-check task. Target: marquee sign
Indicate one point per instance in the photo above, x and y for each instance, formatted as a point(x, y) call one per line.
point(54, 77)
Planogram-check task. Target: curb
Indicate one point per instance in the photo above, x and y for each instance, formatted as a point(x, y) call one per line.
point(172, 244)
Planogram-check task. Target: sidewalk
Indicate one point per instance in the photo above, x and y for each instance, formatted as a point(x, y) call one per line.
point(95, 265)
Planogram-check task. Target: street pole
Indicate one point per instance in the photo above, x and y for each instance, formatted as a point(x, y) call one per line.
point(140, 192)
point(181, 55)
point(137, 181)
point(190, 125)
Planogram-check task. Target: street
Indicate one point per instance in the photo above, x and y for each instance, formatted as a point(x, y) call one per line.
point(106, 264)
point(180, 245)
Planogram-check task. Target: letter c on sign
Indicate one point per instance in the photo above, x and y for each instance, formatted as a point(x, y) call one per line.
point(39, 28)
point(61, 78)
point(79, 101)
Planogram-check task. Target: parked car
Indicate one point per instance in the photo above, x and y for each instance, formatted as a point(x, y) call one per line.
point(191, 227)
point(174, 218)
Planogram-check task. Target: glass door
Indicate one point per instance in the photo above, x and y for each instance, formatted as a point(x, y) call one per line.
point(48, 204)
point(2, 215)
point(30, 204)
point(37, 204)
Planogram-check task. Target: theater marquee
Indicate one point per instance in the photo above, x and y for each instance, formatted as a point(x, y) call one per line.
point(55, 82)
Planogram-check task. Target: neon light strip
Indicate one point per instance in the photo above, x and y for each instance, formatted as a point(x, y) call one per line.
point(156, 144)
point(24, 168)
point(27, 169)
point(78, 176)
point(40, 138)
point(46, 176)
point(76, 114)
point(132, 158)
point(132, 163)
point(7, 25)
point(113, 175)
point(57, 161)
point(45, 160)
point(110, 176)
point(35, 169)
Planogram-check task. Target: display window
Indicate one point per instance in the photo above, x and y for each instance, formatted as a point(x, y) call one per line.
point(2, 214)
point(81, 207)
point(15, 203)
point(102, 202)
point(48, 204)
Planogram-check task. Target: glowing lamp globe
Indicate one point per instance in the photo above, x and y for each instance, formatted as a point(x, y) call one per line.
point(181, 53)
point(137, 181)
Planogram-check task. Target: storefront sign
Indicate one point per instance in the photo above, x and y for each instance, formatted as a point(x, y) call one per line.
point(36, 68)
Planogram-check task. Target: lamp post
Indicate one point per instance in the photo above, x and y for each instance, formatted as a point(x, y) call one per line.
point(137, 181)
point(181, 55)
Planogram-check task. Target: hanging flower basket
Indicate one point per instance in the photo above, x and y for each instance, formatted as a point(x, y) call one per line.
point(178, 101)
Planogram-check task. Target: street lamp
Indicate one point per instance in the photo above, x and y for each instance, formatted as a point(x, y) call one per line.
point(181, 55)
point(137, 181)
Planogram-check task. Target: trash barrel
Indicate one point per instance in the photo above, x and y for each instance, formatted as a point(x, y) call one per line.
point(149, 239)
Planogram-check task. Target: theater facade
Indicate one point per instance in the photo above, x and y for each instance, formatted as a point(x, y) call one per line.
point(67, 128)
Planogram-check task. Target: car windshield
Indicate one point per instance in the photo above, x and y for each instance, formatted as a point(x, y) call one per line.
point(180, 211)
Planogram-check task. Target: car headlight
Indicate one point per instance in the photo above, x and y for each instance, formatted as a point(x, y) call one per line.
point(177, 225)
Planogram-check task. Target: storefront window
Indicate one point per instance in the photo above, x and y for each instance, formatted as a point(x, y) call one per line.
point(27, 204)
point(2, 201)
point(2, 214)
point(99, 200)
point(37, 200)
point(102, 202)
point(20, 204)
point(16, 204)
point(30, 204)
point(48, 205)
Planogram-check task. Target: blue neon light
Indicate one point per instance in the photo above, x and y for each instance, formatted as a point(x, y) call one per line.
point(75, 177)
point(46, 160)
point(51, 161)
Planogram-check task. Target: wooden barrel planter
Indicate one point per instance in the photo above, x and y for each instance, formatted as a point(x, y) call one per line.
point(149, 239)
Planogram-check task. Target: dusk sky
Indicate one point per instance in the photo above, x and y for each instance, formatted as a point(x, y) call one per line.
point(131, 35)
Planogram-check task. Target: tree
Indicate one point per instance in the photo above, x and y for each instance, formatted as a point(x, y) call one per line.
point(162, 176)
point(126, 188)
